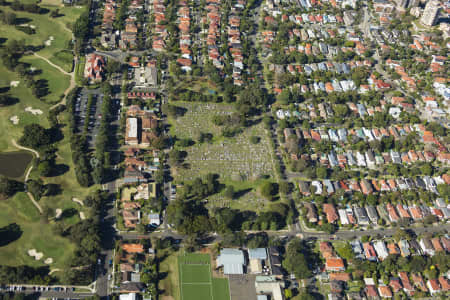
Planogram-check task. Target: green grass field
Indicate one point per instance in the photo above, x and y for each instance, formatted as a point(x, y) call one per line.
point(36, 235)
point(46, 28)
point(57, 82)
point(196, 281)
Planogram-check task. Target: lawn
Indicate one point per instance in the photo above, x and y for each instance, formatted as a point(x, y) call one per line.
point(67, 181)
point(57, 82)
point(8, 130)
point(196, 281)
point(36, 235)
point(247, 197)
point(54, 31)
point(169, 285)
point(64, 59)
point(221, 289)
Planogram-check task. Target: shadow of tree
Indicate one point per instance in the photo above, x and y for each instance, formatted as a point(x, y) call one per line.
point(69, 212)
point(9, 234)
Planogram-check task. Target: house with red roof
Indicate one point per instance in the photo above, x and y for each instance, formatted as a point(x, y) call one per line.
point(407, 287)
point(334, 264)
point(433, 286)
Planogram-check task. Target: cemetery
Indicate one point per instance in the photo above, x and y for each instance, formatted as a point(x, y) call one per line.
point(239, 162)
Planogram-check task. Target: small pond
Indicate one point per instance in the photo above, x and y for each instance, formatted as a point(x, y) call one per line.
point(14, 164)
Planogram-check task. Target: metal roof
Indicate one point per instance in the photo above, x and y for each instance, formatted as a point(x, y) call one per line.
point(257, 253)
point(232, 261)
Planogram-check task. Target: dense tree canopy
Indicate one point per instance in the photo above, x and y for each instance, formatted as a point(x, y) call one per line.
point(35, 136)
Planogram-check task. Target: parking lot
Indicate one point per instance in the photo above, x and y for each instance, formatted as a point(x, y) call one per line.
point(93, 113)
point(242, 287)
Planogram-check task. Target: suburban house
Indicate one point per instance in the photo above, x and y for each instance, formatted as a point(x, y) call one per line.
point(94, 68)
point(334, 264)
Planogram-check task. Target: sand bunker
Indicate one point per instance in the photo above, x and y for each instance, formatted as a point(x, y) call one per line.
point(49, 41)
point(48, 261)
point(14, 83)
point(14, 120)
point(82, 216)
point(33, 111)
point(78, 201)
point(58, 213)
point(36, 255)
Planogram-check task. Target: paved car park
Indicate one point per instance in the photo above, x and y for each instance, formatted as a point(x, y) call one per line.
point(93, 114)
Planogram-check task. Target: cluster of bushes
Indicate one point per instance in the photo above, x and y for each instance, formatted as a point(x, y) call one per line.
point(188, 95)
point(25, 274)
point(104, 136)
point(9, 187)
point(87, 238)
point(28, 7)
point(37, 137)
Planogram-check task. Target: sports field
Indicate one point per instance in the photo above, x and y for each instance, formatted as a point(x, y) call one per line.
point(196, 281)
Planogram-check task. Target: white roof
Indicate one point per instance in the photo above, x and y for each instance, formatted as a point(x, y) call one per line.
point(232, 261)
point(130, 296)
point(132, 127)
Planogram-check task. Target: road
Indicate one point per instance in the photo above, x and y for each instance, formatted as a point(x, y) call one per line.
point(298, 231)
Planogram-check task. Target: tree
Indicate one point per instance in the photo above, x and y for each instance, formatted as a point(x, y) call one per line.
point(345, 251)
point(305, 296)
point(321, 172)
point(9, 18)
point(268, 190)
point(45, 168)
point(36, 188)
point(401, 234)
point(254, 139)
point(35, 136)
point(296, 261)
point(229, 192)
point(426, 169)
point(54, 13)
point(9, 187)
point(285, 187)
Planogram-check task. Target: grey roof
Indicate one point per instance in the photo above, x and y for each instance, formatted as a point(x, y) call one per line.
point(257, 253)
point(232, 261)
point(233, 269)
point(135, 277)
point(262, 297)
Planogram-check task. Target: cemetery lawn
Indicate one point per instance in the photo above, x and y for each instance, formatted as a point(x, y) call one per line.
point(238, 162)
